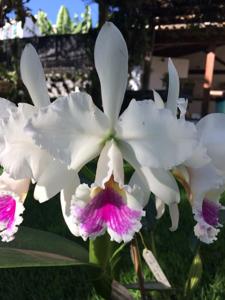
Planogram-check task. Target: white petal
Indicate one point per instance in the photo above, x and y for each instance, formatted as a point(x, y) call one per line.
point(33, 76)
point(206, 233)
point(71, 129)
point(111, 61)
point(182, 104)
point(5, 107)
point(158, 100)
point(110, 163)
point(174, 215)
point(199, 158)
point(155, 137)
point(211, 130)
point(65, 198)
point(129, 155)
point(138, 179)
point(173, 89)
point(204, 179)
point(54, 178)
point(215, 194)
point(19, 187)
point(162, 184)
point(160, 207)
point(21, 158)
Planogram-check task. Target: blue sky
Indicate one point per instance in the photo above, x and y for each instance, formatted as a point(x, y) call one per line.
point(51, 7)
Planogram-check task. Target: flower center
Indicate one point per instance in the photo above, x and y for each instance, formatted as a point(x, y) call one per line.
point(210, 212)
point(7, 211)
point(111, 135)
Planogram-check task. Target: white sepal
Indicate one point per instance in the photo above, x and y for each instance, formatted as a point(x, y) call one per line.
point(111, 61)
point(33, 76)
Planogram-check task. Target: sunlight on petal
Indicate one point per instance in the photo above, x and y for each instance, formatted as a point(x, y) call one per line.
point(76, 127)
point(33, 76)
point(111, 61)
point(155, 136)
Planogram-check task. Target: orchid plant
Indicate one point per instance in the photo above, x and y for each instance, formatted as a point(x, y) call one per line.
point(51, 143)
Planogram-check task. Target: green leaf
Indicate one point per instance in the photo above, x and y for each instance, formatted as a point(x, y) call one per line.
point(103, 285)
point(63, 23)
point(37, 248)
point(194, 276)
point(44, 24)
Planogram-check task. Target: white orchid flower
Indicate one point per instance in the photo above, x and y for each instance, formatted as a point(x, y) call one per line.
point(204, 186)
point(75, 131)
point(12, 192)
point(19, 155)
point(12, 196)
point(160, 181)
point(206, 177)
point(203, 174)
point(208, 182)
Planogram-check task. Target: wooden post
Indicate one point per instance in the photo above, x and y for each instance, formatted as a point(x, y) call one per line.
point(208, 78)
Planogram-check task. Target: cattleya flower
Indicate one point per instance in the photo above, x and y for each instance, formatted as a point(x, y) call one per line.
point(203, 174)
point(207, 183)
point(12, 196)
point(73, 130)
point(19, 155)
point(204, 185)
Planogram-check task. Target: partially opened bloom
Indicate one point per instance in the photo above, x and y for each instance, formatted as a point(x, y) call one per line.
point(12, 196)
point(75, 131)
point(203, 173)
point(207, 182)
point(207, 209)
point(204, 186)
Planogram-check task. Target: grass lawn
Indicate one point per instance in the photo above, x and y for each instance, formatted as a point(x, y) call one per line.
point(68, 283)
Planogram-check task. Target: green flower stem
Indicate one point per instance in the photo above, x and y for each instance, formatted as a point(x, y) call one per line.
point(100, 252)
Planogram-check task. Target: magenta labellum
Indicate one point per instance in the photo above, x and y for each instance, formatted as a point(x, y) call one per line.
point(207, 227)
point(108, 210)
point(10, 210)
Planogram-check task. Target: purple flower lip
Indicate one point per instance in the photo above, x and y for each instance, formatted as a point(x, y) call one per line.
point(7, 211)
point(107, 210)
point(210, 212)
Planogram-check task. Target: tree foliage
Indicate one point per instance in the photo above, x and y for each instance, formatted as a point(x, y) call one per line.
point(64, 23)
point(19, 7)
point(44, 24)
